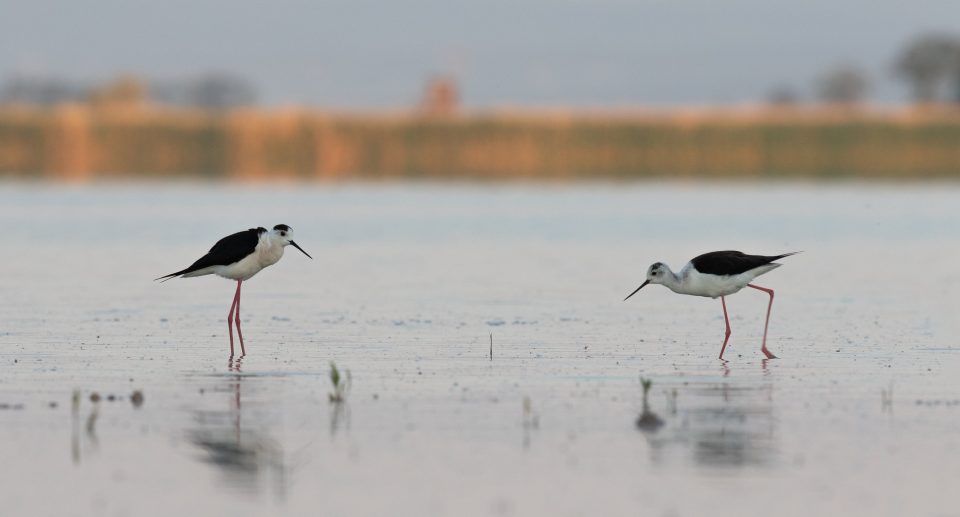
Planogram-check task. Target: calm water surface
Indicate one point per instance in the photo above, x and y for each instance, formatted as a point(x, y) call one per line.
point(859, 416)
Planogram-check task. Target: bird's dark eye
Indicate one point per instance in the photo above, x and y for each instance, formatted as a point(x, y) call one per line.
point(283, 234)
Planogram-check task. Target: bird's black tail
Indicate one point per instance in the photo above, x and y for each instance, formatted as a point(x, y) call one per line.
point(171, 276)
point(778, 257)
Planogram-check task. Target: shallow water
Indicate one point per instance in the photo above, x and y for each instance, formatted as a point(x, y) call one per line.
point(857, 417)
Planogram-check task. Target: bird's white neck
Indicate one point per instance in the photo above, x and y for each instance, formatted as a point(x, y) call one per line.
point(672, 281)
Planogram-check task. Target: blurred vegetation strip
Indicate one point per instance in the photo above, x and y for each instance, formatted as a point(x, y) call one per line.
point(78, 142)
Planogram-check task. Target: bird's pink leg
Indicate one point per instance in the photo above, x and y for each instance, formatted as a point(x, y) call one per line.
point(243, 351)
point(236, 302)
point(726, 319)
point(767, 323)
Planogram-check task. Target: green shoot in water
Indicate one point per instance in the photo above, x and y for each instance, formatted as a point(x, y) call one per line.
point(341, 384)
point(646, 383)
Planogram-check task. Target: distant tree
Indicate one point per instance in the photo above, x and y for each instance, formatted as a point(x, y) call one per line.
point(219, 91)
point(42, 91)
point(783, 95)
point(165, 92)
point(845, 84)
point(211, 91)
point(928, 62)
point(956, 81)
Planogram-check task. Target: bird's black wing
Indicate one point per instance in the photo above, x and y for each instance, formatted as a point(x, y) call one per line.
point(226, 251)
point(725, 263)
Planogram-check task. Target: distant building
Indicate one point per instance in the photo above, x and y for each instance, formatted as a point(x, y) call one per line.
point(441, 97)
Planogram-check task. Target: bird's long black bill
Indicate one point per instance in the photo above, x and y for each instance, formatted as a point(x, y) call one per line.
point(299, 248)
point(635, 292)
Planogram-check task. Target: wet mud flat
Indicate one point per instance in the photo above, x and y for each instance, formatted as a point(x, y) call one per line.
point(858, 416)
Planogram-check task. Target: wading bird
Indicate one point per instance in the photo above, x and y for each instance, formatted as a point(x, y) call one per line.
point(717, 274)
point(239, 257)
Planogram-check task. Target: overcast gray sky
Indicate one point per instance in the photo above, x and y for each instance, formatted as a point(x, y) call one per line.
point(531, 52)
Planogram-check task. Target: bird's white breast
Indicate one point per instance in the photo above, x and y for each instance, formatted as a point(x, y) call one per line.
point(267, 253)
point(695, 283)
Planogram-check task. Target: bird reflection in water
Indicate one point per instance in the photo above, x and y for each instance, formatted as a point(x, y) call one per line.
point(715, 424)
point(236, 439)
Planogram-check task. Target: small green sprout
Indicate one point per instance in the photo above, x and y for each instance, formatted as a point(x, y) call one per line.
point(646, 383)
point(648, 421)
point(341, 384)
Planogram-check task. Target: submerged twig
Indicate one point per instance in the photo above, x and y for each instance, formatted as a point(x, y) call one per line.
point(886, 398)
point(531, 419)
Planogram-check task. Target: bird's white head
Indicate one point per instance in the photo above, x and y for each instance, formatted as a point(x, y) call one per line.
point(657, 273)
point(284, 234)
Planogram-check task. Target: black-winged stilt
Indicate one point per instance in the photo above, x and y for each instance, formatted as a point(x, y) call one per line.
point(239, 257)
point(717, 274)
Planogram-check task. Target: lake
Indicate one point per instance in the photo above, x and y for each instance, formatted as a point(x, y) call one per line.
point(411, 288)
